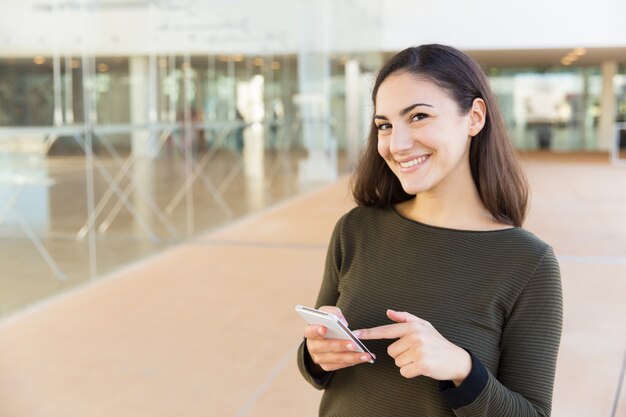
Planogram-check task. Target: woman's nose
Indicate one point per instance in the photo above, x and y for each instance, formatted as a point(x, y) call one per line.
point(401, 141)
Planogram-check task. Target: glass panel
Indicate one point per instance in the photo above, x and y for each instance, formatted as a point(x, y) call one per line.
point(619, 84)
point(26, 92)
point(556, 109)
point(113, 90)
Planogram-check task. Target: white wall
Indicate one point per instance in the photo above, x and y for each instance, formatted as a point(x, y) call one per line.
point(502, 24)
point(194, 26)
point(29, 27)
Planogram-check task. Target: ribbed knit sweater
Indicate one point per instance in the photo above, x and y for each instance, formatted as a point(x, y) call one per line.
point(496, 294)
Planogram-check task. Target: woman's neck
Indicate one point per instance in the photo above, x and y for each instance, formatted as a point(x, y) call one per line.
point(455, 207)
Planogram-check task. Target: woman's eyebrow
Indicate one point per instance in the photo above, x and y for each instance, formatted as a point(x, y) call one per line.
point(404, 111)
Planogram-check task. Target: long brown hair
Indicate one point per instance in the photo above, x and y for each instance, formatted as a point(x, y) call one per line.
point(496, 172)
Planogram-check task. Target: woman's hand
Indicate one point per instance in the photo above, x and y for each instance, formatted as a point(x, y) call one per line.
point(420, 349)
point(332, 354)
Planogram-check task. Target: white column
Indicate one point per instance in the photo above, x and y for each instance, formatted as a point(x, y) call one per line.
point(314, 92)
point(143, 139)
point(56, 83)
point(69, 91)
point(250, 102)
point(606, 128)
point(353, 112)
point(367, 80)
point(142, 142)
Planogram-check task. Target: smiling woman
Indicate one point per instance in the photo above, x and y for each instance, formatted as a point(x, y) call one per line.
point(461, 307)
point(440, 83)
point(426, 146)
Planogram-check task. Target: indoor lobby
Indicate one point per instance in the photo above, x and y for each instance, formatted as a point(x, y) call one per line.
point(171, 174)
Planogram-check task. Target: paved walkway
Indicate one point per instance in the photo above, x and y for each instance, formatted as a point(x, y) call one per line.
point(207, 328)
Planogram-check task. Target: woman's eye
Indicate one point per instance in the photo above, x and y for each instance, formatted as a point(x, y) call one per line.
point(419, 116)
point(383, 126)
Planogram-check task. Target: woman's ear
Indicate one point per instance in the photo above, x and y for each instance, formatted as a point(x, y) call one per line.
point(478, 116)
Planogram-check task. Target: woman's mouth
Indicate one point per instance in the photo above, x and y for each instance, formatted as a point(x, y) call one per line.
point(412, 163)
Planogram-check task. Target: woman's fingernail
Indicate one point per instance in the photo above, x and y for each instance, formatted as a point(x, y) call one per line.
point(320, 331)
point(350, 346)
point(364, 358)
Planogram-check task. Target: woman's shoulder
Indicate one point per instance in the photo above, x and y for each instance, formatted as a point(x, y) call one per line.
point(367, 211)
point(520, 250)
point(362, 219)
point(361, 215)
point(524, 238)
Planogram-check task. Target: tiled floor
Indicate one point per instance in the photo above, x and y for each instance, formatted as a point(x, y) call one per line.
point(206, 328)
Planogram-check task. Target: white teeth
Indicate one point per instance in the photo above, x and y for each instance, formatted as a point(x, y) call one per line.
point(413, 162)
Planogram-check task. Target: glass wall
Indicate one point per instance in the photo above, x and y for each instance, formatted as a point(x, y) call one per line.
point(556, 109)
point(619, 85)
point(148, 152)
point(220, 88)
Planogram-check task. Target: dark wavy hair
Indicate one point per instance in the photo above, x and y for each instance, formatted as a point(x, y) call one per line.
point(495, 169)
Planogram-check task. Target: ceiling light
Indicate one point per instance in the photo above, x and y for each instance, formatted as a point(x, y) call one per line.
point(566, 61)
point(103, 67)
point(579, 51)
point(258, 62)
point(275, 65)
point(75, 63)
point(39, 60)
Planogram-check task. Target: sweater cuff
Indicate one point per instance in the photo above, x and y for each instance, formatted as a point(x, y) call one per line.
point(470, 388)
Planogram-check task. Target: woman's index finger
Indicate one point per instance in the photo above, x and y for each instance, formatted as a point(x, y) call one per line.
point(388, 331)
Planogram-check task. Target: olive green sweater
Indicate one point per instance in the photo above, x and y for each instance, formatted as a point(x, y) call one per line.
point(497, 294)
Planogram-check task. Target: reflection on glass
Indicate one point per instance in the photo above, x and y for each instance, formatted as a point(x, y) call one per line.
point(26, 92)
point(555, 110)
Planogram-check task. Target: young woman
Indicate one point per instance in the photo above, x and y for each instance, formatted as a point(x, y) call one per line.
point(461, 307)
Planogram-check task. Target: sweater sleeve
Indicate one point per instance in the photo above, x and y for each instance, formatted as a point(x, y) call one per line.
point(328, 295)
point(530, 341)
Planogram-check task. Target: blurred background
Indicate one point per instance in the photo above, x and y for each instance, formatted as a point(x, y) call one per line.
point(128, 127)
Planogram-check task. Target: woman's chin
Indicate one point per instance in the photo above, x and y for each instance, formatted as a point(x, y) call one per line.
point(413, 189)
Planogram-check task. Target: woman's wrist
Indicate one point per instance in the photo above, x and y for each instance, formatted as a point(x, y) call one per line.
point(468, 389)
point(464, 367)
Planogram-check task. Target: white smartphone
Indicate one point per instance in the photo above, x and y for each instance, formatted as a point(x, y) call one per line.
point(335, 327)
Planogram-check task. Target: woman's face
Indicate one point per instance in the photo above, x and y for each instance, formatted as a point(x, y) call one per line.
point(421, 135)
